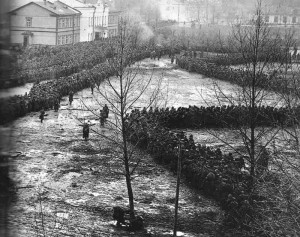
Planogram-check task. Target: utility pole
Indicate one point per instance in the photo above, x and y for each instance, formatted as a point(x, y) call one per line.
point(177, 188)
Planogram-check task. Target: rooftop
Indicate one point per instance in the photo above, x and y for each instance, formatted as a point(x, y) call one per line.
point(56, 7)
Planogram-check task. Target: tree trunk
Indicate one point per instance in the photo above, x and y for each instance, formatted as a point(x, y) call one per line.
point(128, 183)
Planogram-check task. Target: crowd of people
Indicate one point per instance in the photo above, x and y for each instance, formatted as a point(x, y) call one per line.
point(47, 95)
point(194, 117)
point(271, 81)
point(219, 175)
point(38, 63)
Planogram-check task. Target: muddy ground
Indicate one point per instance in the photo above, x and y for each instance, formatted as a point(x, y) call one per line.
point(66, 186)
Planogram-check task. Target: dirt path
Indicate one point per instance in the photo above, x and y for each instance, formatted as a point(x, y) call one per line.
point(67, 187)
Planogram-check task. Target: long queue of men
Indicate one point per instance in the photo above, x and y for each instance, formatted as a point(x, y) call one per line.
point(46, 95)
point(43, 63)
point(218, 68)
point(223, 116)
point(222, 176)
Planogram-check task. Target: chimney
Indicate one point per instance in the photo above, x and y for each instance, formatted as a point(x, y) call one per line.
point(45, 2)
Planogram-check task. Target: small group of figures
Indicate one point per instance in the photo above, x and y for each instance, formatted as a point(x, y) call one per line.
point(155, 54)
point(122, 216)
point(86, 125)
point(43, 113)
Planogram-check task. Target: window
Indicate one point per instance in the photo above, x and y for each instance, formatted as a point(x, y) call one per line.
point(276, 19)
point(59, 40)
point(28, 21)
point(294, 19)
point(67, 22)
point(267, 18)
point(63, 23)
point(284, 19)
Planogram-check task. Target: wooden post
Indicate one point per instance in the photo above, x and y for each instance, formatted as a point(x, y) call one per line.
point(177, 189)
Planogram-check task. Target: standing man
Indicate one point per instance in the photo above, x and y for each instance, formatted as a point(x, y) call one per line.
point(102, 117)
point(56, 105)
point(106, 112)
point(172, 58)
point(86, 130)
point(71, 94)
point(92, 87)
point(42, 115)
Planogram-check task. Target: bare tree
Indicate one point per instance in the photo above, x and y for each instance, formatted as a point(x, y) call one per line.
point(286, 152)
point(131, 87)
point(258, 48)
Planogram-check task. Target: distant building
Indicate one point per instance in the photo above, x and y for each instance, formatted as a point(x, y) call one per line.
point(86, 19)
point(172, 10)
point(100, 20)
point(191, 13)
point(283, 17)
point(113, 22)
point(48, 23)
point(94, 18)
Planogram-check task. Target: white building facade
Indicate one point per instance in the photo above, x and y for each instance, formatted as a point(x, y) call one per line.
point(94, 18)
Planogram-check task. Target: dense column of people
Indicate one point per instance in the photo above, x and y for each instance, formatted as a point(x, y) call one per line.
point(218, 175)
point(222, 176)
point(38, 63)
point(45, 95)
point(219, 68)
point(225, 116)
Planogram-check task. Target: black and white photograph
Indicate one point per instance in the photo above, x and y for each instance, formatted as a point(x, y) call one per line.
point(150, 118)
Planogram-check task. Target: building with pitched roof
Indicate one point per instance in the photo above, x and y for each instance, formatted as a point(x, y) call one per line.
point(44, 22)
